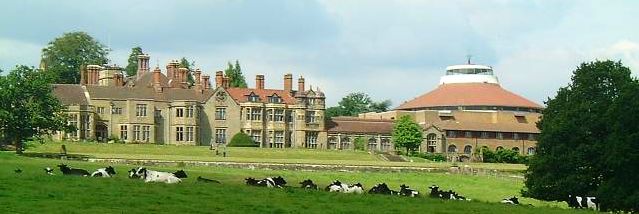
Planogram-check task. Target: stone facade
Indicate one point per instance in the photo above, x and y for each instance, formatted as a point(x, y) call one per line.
point(152, 107)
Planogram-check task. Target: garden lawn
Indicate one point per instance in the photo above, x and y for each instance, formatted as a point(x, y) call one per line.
point(236, 154)
point(32, 191)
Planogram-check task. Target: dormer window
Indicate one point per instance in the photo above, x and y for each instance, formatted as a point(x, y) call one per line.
point(253, 97)
point(274, 99)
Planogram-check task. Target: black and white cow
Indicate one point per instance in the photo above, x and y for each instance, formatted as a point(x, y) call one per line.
point(407, 191)
point(579, 202)
point(338, 186)
point(382, 189)
point(308, 184)
point(48, 170)
point(206, 180)
point(446, 195)
point(272, 182)
point(512, 200)
point(106, 172)
point(66, 170)
point(155, 176)
point(180, 174)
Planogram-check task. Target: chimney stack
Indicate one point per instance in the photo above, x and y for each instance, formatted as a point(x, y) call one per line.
point(183, 78)
point(205, 81)
point(172, 73)
point(300, 84)
point(226, 83)
point(156, 80)
point(219, 79)
point(288, 82)
point(143, 64)
point(259, 81)
point(83, 75)
point(93, 74)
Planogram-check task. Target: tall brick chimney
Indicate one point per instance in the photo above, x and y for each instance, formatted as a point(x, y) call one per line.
point(93, 73)
point(259, 81)
point(156, 80)
point(226, 83)
point(288, 82)
point(183, 77)
point(143, 64)
point(300, 84)
point(172, 73)
point(219, 79)
point(196, 76)
point(83, 75)
point(205, 81)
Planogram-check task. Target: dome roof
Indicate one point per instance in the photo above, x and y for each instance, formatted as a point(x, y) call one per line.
point(469, 94)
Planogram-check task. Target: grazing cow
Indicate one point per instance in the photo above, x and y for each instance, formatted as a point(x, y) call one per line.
point(49, 171)
point(156, 176)
point(206, 180)
point(71, 171)
point(180, 174)
point(512, 200)
point(271, 182)
point(382, 189)
point(407, 191)
point(308, 184)
point(104, 172)
point(17, 170)
point(583, 202)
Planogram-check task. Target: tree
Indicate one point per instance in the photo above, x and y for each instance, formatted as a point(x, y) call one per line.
point(234, 73)
point(29, 108)
point(359, 143)
point(65, 55)
point(356, 103)
point(188, 65)
point(577, 131)
point(132, 68)
point(381, 106)
point(406, 133)
point(242, 140)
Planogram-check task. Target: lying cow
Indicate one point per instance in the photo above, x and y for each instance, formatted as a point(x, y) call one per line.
point(308, 184)
point(156, 176)
point(382, 189)
point(407, 191)
point(446, 195)
point(206, 180)
point(512, 200)
point(49, 171)
point(583, 202)
point(106, 172)
point(66, 170)
point(338, 186)
point(270, 182)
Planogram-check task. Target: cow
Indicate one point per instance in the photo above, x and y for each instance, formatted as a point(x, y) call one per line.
point(66, 170)
point(156, 176)
point(434, 191)
point(49, 171)
point(383, 189)
point(446, 195)
point(106, 172)
point(407, 191)
point(338, 186)
point(271, 182)
point(180, 174)
point(132, 174)
point(583, 202)
point(308, 184)
point(206, 180)
point(512, 200)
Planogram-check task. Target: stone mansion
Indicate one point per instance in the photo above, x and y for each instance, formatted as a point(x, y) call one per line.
point(468, 110)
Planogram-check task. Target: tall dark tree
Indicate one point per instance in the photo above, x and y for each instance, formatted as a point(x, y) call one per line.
point(28, 108)
point(380, 106)
point(234, 73)
point(65, 55)
point(132, 68)
point(576, 132)
point(184, 63)
point(356, 103)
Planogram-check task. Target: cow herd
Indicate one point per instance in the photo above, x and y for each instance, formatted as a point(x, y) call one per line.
point(278, 182)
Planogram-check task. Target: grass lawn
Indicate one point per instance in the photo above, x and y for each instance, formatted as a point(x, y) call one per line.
point(34, 192)
point(234, 154)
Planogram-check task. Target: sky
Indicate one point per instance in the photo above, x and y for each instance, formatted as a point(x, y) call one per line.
point(388, 49)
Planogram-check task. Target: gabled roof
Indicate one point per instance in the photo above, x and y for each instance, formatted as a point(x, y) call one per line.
point(240, 95)
point(70, 94)
point(146, 80)
point(359, 125)
point(468, 94)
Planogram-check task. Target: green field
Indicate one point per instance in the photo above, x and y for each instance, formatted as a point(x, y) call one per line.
point(253, 155)
point(34, 192)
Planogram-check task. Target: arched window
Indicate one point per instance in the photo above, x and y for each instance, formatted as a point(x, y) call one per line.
point(468, 149)
point(372, 144)
point(452, 149)
point(531, 150)
point(499, 148)
point(516, 149)
point(345, 143)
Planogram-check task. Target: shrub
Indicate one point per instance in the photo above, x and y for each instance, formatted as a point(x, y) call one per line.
point(360, 143)
point(428, 156)
point(242, 140)
point(502, 156)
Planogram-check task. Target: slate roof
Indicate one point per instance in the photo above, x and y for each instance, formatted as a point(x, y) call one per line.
point(70, 94)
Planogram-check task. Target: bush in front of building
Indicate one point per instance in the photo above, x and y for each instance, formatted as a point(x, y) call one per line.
point(360, 143)
point(242, 140)
point(502, 156)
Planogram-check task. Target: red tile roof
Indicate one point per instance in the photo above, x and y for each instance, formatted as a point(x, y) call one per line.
point(359, 125)
point(468, 94)
point(240, 95)
point(490, 127)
